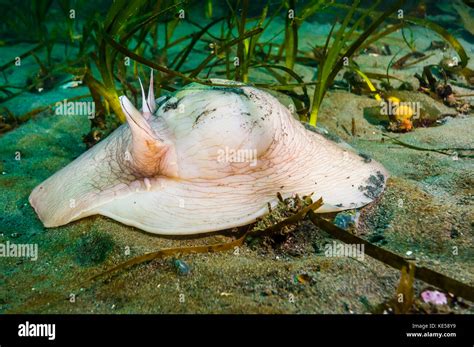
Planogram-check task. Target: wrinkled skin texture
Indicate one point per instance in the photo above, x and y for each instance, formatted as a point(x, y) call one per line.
point(173, 168)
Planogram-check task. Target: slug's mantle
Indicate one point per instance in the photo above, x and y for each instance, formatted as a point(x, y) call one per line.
point(205, 159)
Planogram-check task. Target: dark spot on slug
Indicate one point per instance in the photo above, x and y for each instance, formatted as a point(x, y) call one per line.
point(367, 158)
point(203, 114)
point(374, 185)
point(160, 103)
point(170, 105)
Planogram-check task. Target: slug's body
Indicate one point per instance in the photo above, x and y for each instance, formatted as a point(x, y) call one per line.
point(205, 159)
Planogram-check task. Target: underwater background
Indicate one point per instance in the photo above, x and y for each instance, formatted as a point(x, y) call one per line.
point(333, 64)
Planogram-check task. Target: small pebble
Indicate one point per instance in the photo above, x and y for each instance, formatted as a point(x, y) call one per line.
point(181, 267)
point(344, 220)
point(302, 278)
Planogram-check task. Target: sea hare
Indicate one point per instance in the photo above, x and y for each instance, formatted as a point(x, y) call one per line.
point(205, 159)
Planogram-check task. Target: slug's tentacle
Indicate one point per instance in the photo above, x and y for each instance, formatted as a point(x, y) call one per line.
point(146, 149)
point(151, 95)
point(141, 129)
point(145, 108)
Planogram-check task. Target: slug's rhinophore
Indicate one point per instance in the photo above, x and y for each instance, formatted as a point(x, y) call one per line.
point(205, 159)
